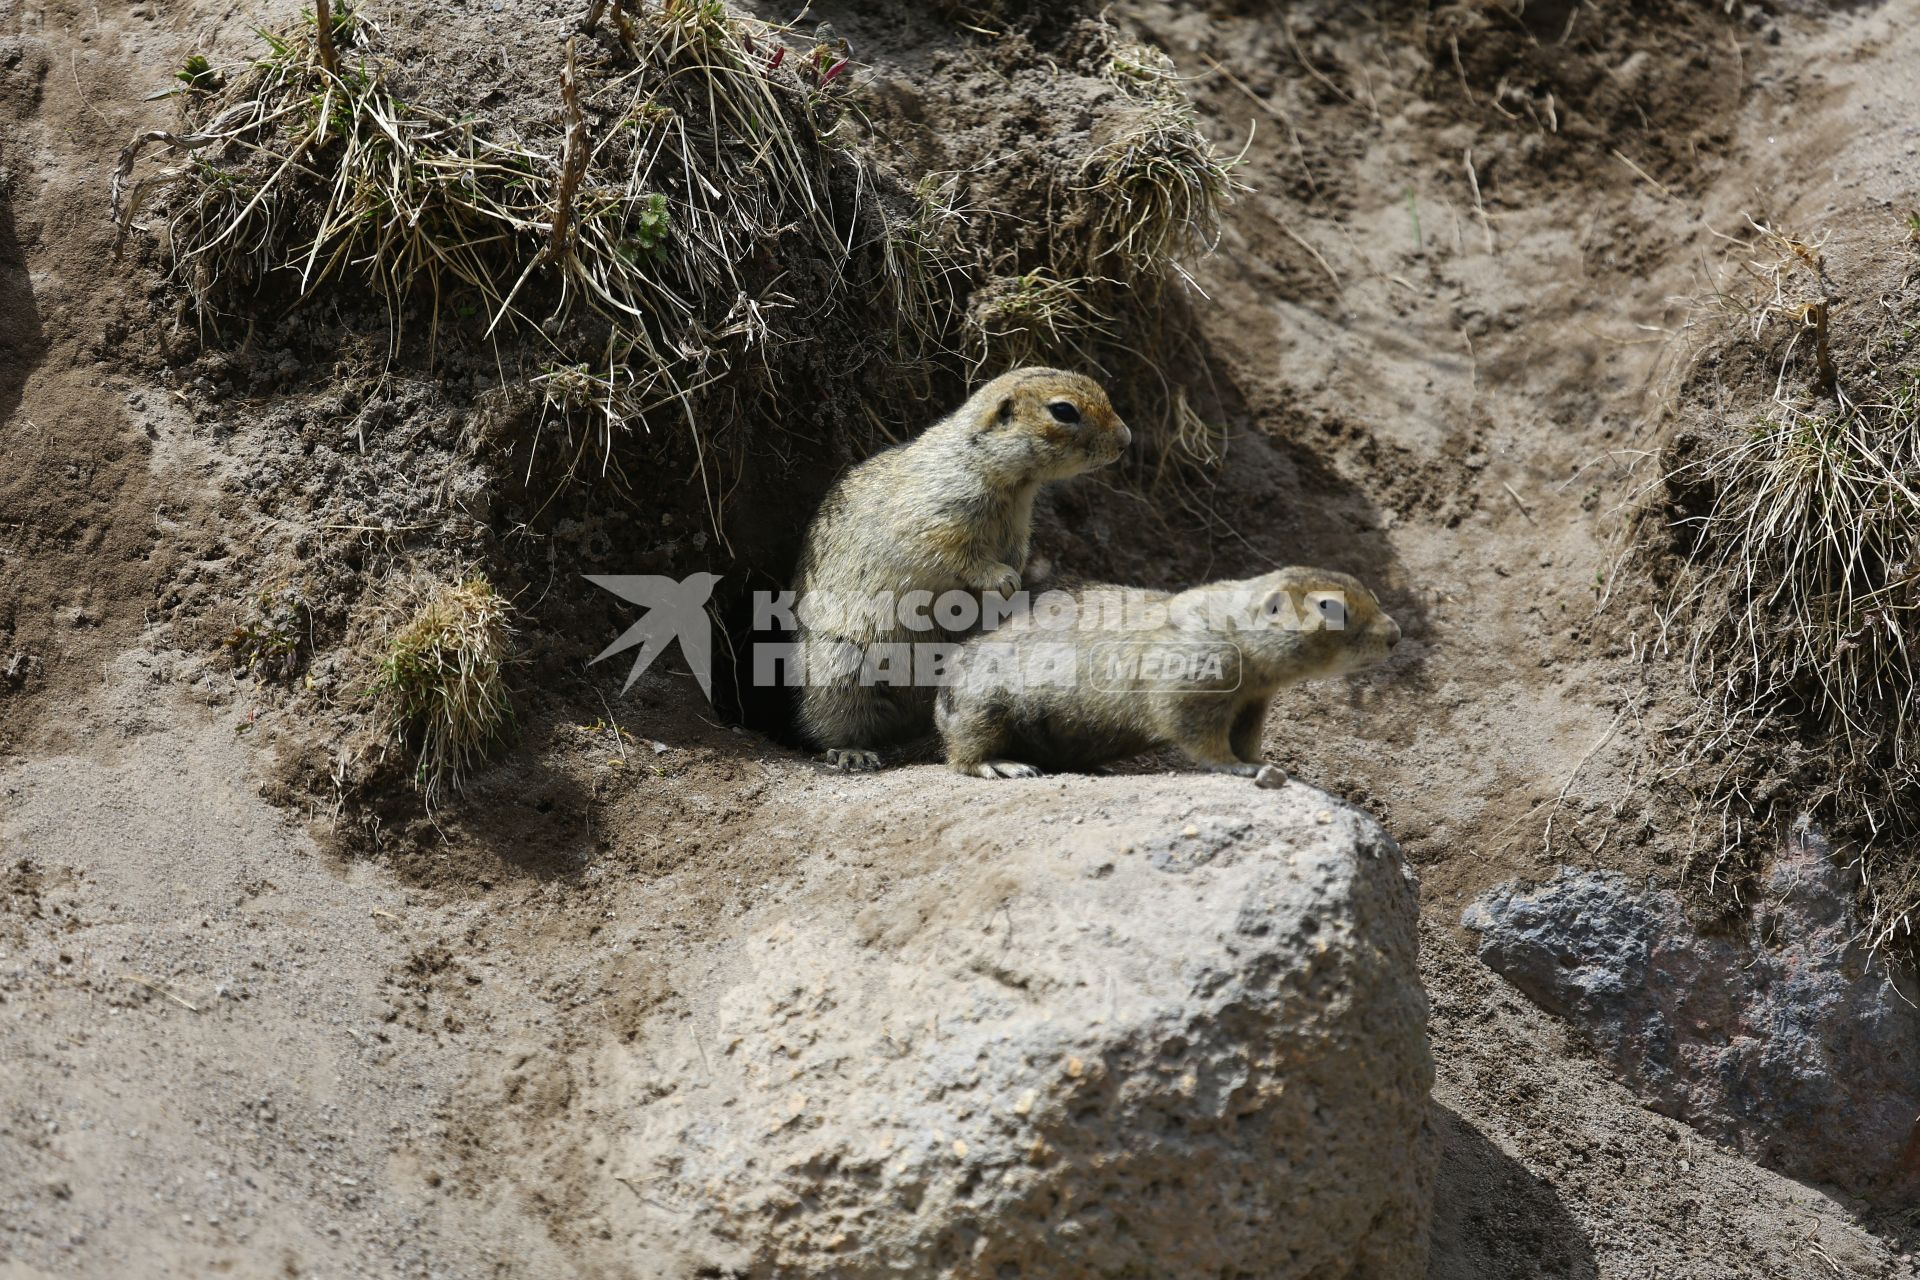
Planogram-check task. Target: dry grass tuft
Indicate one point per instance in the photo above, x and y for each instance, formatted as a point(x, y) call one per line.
point(1027, 319)
point(293, 169)
point(440, 683)
point(1796, 612)
point(648, 242)
point(696, 202)
point(1102, 287)
point(1787, 282)
point(1159, 186)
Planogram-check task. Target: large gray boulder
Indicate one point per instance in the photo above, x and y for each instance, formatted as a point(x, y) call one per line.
point(1178, 1034)
point(1785, 1039)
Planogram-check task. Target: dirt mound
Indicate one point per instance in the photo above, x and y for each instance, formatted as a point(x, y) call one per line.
point(1782, 532)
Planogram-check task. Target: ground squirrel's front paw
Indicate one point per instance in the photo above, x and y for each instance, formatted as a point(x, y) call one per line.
point(1001, 579)
point(853, 760)
point(1271, 776)
point(1006, 769)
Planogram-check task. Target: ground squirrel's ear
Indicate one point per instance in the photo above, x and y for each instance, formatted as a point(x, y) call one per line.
point(1005, 413)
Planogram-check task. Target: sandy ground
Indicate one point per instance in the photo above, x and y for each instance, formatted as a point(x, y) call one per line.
point(233, 1048)
point(233, 1053)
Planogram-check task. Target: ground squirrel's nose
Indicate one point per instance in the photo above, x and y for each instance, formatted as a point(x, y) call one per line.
point(1120, 429)
point(1393, 633)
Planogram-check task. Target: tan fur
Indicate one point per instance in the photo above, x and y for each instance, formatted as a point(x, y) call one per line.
point(949, 510)
point(1268, 632)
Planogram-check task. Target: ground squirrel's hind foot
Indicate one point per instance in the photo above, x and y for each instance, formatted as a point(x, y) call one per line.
point(1238, 768)
point(853, 759)
point(1006, 769)
point(1269, 776)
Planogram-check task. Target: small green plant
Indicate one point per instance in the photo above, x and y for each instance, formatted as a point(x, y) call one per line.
point(279, 48)
point(649, 115)
point(198, 74)
point(267, 643)
point(648, 231)
point(440, 681)
point(570, 386)
point(341, 23)
point(212, 174)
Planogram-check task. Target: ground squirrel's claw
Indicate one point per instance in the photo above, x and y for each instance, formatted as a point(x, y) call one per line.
point(1271, 776)
point(853, 760)
point(1002, 580)
point(1006, 769)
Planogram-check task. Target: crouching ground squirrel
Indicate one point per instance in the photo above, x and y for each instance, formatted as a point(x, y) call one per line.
point(1109, 672)
point(951, 510)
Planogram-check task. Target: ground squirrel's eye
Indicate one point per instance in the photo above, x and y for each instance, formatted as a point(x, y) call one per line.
point(1334, 610)
point(1064, 411)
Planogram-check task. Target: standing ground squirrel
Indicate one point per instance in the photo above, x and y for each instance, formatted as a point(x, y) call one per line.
point(948, 511)
point(1119, 671)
